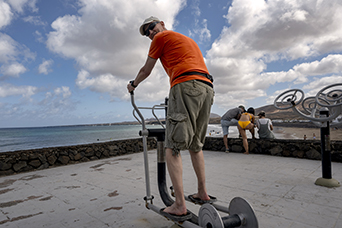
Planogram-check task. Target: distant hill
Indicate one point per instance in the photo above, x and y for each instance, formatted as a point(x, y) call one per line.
point(275, 114)
point(214, 115)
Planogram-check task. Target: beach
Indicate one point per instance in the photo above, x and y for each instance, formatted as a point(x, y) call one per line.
point(295, 132)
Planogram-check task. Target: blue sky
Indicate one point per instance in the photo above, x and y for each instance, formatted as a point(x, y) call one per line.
point(68, 62)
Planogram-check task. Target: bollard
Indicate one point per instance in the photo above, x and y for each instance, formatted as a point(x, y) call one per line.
point(326, 180)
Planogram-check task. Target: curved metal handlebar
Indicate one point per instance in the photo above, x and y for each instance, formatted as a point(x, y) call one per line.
point(158, 107)
point(333, 97)
point(142, 122)
point(142, 119)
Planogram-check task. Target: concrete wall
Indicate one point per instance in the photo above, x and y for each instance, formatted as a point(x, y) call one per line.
point(36, 159)
point(310, 149)
point(29, 160)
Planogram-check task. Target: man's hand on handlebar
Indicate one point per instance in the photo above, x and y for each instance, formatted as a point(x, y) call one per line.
point(131, 87)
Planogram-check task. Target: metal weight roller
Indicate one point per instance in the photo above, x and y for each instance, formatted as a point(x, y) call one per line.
point(310, 106)
point(241, 215)
point(289, 99)
point(334, 97)
point(329, 97)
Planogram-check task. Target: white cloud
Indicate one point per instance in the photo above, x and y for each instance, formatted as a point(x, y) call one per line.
point(200, 27)
point(202, 31)
point(59, 102)
point(12, 70)
point(109, 47)
point(39, 37)
point(230, 99)
point(116, 86)
point(328, 65)
point(64, 91)
point(109, 50)
point(35, 20)
point(262, 32)
point(265, 29)
point(44, 67)
point(8, 48)
point(7, 90)
point(13, 56)
point(195, 8)
point(102, 83)
point(332, 64)
point(5, 15)
point(10, 8)
point(314, 87)
point(54, 108)
point(318, 27)
point(18, 5)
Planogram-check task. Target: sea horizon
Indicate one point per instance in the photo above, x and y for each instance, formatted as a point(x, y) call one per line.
point(76, 125)
point(26, 138)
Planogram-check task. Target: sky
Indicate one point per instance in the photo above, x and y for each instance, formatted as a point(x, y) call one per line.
point(67, 62)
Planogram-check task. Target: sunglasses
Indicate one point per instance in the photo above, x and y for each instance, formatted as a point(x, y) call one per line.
point(150, 27)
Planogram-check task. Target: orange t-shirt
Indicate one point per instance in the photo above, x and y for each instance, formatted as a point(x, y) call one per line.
point(178, 54)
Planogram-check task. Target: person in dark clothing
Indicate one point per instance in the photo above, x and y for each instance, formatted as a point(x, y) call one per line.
point(230, 118)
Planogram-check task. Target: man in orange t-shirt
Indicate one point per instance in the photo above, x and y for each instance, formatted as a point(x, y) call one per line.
point(190, 99)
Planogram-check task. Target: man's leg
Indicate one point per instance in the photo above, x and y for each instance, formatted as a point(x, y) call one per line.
point(225, 141)
point(175, 168)
point(225, 131)
point(197, 159)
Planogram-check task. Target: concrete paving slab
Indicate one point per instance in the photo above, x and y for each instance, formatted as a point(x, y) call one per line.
point(109, 192)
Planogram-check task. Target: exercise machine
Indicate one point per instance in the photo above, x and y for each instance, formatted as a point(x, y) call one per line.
point(240, 213)
point(325, 111)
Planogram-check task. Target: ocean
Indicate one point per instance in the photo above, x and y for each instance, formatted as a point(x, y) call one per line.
point(13, 139)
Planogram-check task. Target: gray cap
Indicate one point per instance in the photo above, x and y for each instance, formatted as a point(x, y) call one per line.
point(147, 21)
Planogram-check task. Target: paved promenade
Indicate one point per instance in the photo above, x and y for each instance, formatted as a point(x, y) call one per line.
point(109, 192)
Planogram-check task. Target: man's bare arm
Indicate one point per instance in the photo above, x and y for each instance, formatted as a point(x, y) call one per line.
point(144, 72)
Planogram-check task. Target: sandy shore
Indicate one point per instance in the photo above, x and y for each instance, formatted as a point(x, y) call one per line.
point(298, 133)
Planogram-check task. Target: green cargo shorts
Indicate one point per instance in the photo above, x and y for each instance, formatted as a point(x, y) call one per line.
point(188, 116)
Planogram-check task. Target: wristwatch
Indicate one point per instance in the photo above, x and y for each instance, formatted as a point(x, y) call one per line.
point(132, 84)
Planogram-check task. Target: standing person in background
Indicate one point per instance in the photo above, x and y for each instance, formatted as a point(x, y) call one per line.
point(190, 100)
point(265, 126)
point(230, 118)
point(246, 122)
